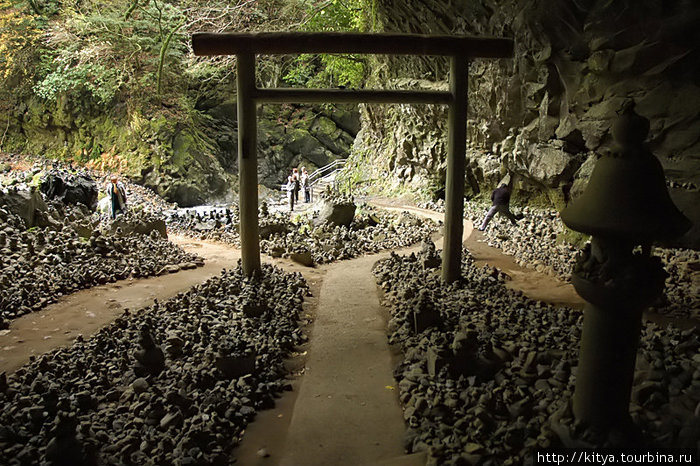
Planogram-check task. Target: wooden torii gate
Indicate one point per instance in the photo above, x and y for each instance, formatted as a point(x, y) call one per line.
point(246, 45)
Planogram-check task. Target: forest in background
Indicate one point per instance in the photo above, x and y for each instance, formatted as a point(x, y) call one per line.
point(114, 83)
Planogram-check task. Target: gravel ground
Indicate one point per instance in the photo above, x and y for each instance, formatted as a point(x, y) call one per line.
point(285, 235)
point(174, 383)
point(487, 375)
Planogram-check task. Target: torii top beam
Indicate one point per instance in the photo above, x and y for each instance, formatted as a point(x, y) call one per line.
point(206, 43)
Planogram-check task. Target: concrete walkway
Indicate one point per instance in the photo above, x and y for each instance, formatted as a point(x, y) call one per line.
point(347, 411)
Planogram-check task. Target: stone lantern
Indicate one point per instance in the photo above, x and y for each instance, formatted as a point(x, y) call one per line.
point(625, 208)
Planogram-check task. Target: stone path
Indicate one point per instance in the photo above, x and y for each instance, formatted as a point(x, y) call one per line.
point(347, 411)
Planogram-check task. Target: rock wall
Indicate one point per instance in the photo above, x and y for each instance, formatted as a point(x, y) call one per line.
point(179, 160)
point(289, 135)
point(302, 135)
point(189, 161)
point(546, 113)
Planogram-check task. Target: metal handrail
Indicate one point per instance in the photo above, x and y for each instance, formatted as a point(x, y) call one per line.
point(321, 173)
point(325, 172)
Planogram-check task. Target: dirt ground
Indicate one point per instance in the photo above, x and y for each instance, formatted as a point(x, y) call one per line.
point(87, 311)
point(343, 409)
point(532, 283)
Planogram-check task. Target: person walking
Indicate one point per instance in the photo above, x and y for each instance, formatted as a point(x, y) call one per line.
point(501, 200)
point(290, 192)
point(117, 194)
point(566, 191)
point(305, 185)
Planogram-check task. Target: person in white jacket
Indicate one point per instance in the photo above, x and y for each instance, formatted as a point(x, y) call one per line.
point(305, 185)
point(291, 186)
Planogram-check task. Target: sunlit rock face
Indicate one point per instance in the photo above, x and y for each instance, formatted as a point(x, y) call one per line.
point(547, 111)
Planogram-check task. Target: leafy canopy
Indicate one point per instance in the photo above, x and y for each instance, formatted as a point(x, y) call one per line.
point(98, 50)
point(18, 34)
point(330, 70)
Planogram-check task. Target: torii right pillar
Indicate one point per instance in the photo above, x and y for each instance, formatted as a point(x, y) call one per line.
point(456, 160)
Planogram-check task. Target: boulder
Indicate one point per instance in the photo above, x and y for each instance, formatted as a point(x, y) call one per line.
point(141, 227)
point(304, 258)
point(582, 175)
point(550, 164)
point(26, 204)
point(70, 188)
point(337, 213)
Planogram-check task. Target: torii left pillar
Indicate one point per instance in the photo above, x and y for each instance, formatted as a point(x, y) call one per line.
point(248, 163)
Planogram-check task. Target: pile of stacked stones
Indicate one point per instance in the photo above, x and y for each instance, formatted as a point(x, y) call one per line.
point(40, 265)
point(215, 224)
point(371, 231)
point(174, 383)
point(682, 292)
point(536, 242)
point(488, 375)
point(131, 222)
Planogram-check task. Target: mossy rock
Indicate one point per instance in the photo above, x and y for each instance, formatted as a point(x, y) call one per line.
point(569, 236)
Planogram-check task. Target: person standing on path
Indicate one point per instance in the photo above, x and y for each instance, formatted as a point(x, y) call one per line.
point(290, 192)
point(117, 194)
point(501, 200)
point(297, 184)
point(305, 185)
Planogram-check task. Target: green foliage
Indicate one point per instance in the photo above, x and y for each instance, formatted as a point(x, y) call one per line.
point(97, 81)
point(330, 70)
point(94, 80)
point(19, 34)
point(44, 8)
point(98, 51)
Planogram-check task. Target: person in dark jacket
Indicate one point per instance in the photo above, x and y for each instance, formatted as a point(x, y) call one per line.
point(297, 184)
point(501, 200)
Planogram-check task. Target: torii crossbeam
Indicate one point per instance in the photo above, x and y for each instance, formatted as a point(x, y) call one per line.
point(246, 45)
